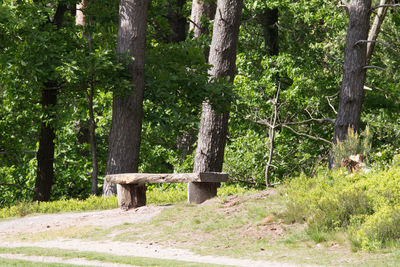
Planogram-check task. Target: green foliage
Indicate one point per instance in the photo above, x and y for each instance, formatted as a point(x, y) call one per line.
point(245, 159)
point(366, 205)
point(70, 205)
point(352, 145)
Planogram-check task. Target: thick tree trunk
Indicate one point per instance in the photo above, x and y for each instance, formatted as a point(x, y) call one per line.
point(45, 154)
point(351, 95)
point(126, 126)
point(214, 126)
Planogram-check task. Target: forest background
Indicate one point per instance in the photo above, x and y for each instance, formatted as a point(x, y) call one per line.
point(80, 63)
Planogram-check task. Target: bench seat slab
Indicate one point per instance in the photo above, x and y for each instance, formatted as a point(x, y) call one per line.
point(142, 178)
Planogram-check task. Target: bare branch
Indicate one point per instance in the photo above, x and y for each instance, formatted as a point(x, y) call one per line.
point(386, 5)
point(191, 21)
point(379, 42)
point(307, 135)
point(330, 104)
point(374, 67)
point(370, 88)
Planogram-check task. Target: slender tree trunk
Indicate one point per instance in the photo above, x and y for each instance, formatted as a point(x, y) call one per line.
point(376, 28)
point(272, 130)
point(269, 20)
point(92, 139)
point(201, 10)
point(351, 95)
point(45, 154)
point(80, 19)
point(177, 22)
point(126, 126)
point(214, 126)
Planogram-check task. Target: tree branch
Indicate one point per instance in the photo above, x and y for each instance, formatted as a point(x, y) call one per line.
point(307, 135)
point(386, 5)
point(379, 42)
point(374, 67)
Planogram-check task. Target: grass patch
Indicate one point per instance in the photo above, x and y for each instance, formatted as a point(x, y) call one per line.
point(24, 263)
point(103, 257)
point(158, 195)
point(70, 205)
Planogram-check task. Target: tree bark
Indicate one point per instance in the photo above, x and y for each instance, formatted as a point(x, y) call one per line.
point(269, 20)
point(126, 125)
point(80, 19)
point(376, 28)
point(209, 155)
point(177, 22)
point(201, 10)
point(45, 154)
point(351, 95)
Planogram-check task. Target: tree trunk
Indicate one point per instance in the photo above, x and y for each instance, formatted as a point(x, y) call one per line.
point(45, 154)
point(351, 95)
point(269, 20)
point(126, 126)
point(376, 28)
point(201, 10)
point(80, 19)
point(214, 126)
point(177, 22)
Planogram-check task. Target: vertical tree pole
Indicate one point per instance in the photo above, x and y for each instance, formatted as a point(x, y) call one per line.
point(45, 154)
point(351, 95)
point(126, 125)
point(214, 126)
point(80, 19)
point(376, 27)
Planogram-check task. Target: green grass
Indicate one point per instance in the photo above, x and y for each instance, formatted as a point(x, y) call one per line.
point(103, 257)
point(24, 263)
point(239, 223)
point(70, 205)
point(157, 195)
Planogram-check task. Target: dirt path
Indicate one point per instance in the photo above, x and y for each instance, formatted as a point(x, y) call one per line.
point(106, 219)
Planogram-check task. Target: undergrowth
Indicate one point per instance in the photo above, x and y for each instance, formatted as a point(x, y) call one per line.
point(365, 205)
point(158, 195)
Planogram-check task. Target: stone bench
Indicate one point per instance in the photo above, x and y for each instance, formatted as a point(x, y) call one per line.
point(127, 182)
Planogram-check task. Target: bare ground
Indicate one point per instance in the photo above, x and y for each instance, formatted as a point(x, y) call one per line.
point(107, 218)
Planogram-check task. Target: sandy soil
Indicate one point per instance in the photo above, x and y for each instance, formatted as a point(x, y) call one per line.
point(107, 218)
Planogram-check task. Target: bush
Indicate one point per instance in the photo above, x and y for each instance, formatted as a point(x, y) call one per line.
point(365, 205)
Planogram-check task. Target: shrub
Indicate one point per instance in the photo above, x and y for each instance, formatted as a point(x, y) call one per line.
point(367, 206)
point(352, 145)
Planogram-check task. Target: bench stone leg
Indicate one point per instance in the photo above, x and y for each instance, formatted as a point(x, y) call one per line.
point(131, 196)
point(200, 192)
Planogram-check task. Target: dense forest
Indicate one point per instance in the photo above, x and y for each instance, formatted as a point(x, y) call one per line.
point(258, 89)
